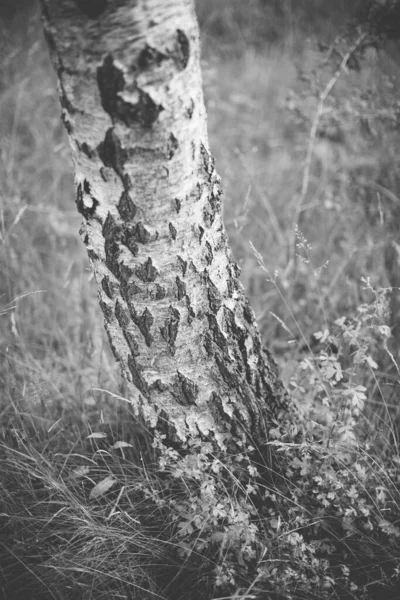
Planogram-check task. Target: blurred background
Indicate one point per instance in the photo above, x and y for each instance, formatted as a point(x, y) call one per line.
point(303, 112)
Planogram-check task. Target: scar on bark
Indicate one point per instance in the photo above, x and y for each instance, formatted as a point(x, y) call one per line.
point(170, 329)
point(172, 231)
point(184, 48)
point(150, 57)
point(111, 83)
point(181, 288)
point(146, 272)
point(184, 390)
point(126, 207)
point(112, 153)
point(144, 323)
point(83, 208)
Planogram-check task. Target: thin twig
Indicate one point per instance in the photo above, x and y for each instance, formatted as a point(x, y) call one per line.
point(311, 143)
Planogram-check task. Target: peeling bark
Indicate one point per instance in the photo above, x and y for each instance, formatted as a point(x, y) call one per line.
point(175, 311)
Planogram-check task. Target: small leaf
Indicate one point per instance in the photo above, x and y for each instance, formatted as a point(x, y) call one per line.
point(371, 362)
point(102, 487)
point(121, 445)
point(97, 435)
point(384, 330)
point(275, 523)
point(80, 471)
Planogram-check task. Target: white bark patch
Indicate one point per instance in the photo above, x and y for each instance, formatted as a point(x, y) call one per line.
point(88, 201)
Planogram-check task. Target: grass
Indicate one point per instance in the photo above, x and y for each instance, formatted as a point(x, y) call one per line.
point(85, 509)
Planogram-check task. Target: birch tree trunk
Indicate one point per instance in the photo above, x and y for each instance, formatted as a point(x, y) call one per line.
point(175, 312)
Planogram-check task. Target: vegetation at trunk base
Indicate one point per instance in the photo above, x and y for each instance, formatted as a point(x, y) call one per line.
point(302, 108)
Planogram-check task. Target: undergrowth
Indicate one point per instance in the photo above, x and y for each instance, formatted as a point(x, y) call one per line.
point(92, 505)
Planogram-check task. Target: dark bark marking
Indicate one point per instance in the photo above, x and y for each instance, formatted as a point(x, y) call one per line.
point(184, 390)
point(112, 236)
point(110, 228)
point(130, 340)
point(208, 163)
point(107, 174)
point(214, 297)
point(183, 265)
point(220, 240)
point(172, 231)
point(234, 270)
point(137, 378)
point(208, 346)
point(244, 359)
point(201, 233)
point(184, 48)
point(86, 149)
point(170, 329)
point(239, 334)
point(227, 371)
point(92, 8)
point(160, 292)
point(217, 334)
point(190, 109)
point(145, 112)
point(181, 288)
point(142, 235)
point(122, 315)
point(217, 409)
point(129, 289)
point(173, 145)
point(230, 325)
point(178, 204)
point(208, 216)
point(129, 241)
point(67, 123)
point(215, 206)
point(191, 313)
point(111, 82)
point(112, 254)
point(126, 272)
point(193, 268)
point(92, 254)
point(150, 57)
point(105, 284)
point(248, 312)
point(231, 287)
point(146, 272)
point(208, 253)
point(107, 311)
point(127, 182)
point(144, 323)
point(86, 211)
point(159, 386)
point(135, 234)
point(126, 207)
point(64, 100)
point(112, 153)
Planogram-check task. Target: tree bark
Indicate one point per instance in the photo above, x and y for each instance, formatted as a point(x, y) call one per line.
point(175, 312)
